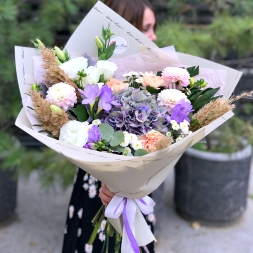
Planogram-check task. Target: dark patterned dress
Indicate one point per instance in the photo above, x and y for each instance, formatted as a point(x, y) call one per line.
point(84, 204)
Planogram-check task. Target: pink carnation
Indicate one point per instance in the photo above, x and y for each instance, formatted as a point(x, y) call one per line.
point(150, 79)
point(176, 78)
point(151, 139)
point(117, 85)
point(62, 95)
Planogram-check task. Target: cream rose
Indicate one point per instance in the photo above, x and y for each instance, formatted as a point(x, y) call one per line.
point(74, 65)
point(75, 133)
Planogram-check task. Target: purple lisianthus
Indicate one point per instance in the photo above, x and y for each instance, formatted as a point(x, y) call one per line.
point(181, 111)
point(90, 93)
point(106, 99)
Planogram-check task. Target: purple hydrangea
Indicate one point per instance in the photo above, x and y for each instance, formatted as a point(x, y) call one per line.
point(138, 113)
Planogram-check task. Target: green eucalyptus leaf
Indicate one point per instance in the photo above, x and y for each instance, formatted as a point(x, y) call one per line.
point(117, 138)
point(119, 148)
point(140, 152)
point(81, 113)
point(107, 131)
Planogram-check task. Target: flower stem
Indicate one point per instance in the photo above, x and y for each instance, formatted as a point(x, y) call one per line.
point(98, 214)
point(94, 232)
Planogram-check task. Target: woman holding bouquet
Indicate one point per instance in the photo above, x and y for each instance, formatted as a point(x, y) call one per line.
point(88, 192)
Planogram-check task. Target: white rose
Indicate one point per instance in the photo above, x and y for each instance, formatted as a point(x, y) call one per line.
point(74, 65)
point(107, 68)
point(93, 76)
point(170, 97)
point(74, 132)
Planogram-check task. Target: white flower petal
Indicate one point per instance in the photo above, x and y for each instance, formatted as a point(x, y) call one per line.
point(72, 66)
point(107, 68)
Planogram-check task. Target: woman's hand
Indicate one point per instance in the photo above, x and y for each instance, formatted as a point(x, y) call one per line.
point(105, 194)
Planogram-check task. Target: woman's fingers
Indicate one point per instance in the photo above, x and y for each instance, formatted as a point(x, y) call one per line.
point(105, 194)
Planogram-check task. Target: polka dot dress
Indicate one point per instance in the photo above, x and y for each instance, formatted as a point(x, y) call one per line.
point(84, 204)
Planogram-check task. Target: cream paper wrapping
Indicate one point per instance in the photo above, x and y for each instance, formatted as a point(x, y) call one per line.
point(131, 177)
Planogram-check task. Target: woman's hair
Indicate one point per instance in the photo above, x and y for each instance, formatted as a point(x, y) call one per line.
point(131, 10)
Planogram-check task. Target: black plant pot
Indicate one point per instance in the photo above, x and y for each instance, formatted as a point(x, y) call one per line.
point(8, 193)
point(212, 188)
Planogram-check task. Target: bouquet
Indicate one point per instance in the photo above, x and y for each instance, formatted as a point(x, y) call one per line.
point(126, 121)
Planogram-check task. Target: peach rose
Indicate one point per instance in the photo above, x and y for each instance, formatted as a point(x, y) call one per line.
point(117, 85)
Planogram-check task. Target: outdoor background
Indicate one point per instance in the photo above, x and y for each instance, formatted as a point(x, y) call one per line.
point(218, 30)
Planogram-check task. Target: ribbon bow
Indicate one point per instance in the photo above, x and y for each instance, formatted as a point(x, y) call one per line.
point(128, 208)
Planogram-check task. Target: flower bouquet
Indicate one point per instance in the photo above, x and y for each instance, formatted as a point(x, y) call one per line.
point(125, 121)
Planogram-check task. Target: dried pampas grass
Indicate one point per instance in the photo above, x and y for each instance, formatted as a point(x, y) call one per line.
point(51, 122)
point(213, 110)
point(164, 142)
point(54, 74)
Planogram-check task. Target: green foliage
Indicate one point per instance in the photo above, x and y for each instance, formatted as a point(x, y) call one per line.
point(81, 113)
point(193, 71)
point(113, 138)
point(21, 22)
point(140, 152)
point(200, 98)
point(216, 41)
point(184, 39)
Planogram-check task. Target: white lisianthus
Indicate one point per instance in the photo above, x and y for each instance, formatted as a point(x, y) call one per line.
point(74, 65)
point(190, 132)
point(136, 145)
point(107, 68)
point(96, 122)
point(93, 76)
point(170, 97)
point(133, 138)
point(184, 127)
point(75, 133)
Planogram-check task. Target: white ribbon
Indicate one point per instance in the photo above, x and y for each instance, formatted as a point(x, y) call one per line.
point(135, 229)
